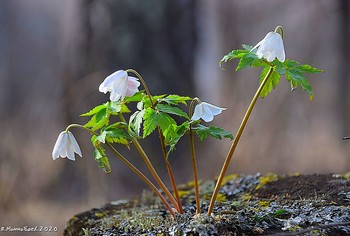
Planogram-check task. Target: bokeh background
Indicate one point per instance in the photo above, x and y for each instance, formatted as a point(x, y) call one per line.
point(54, 55)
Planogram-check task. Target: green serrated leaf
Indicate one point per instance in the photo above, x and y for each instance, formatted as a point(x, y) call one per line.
point(91, 122)
point(95, 110)
point(290, 63)
point(136, 121)
point(295, 74)
point(99, 120)
point(125, 109)
point(150, 123)
point(171, 110)
point(117, 136)
point(102, 119)
point(173, 134)
point(146, 100)
point(174, 99)
point(93, 140)
point(271, 83)
point(203, 132)
point(279, 67)
point(101, 158)
point(154, 118)
point(113, 135)
point(233, 54)
point(170, 134)
point(309, 69)
point(247, 60)
point(136, 97)
point(118, 125)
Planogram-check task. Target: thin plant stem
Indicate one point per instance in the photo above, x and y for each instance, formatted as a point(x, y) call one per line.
point(143, 177)
point(162, 143)
point(279, 28)
point(236, 140)
point(151, 168)
point(154, 173)
point(170, 173)
point(132, 167)
point(143, 83)
point(194, 161)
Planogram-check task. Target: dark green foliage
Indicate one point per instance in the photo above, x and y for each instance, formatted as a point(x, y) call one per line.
point(144, 121)
point(171, 110)
point(293, 71)
point(216, 132)
point(153, 118)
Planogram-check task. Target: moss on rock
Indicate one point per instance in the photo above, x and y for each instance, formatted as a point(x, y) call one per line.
point(282, 204)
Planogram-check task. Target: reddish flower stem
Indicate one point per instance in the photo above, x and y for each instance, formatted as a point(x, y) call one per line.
point(236, 140)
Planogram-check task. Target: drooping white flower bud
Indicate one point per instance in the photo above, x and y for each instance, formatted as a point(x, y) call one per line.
point(120, 85)
point(66, 146)
point(206, 111)
point(271, 47)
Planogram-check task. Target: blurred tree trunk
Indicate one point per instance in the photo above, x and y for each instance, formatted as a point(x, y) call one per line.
point(343, 68)
point(157, 39)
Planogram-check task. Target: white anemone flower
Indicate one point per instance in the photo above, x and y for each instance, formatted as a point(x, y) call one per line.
point(206, 111)
point(120, 85)
point(271, 47)
point(66, 146)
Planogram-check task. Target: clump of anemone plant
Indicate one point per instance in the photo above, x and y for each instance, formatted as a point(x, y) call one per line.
point(156, 113)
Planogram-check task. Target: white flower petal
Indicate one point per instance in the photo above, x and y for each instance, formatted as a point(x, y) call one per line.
point(70, 150)
point(114, 96)
point(198, 111)
point(132, 86)
point(215, 110)
point(281, 56)
point(270, 56)
point(207, 117)
point(271, 47)
point(65, 146)
point(58, 145)
point(206, 111)
point(115, 83)
point(106, 85)
point(133, 82)
point(75, 144)
point(257, 45)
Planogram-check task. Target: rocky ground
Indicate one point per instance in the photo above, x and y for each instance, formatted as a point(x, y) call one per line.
point(247, 205)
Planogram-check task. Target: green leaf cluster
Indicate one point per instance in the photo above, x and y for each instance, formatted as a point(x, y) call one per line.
point(165, 115)
point(294, 72)
point(165, 106)
point(114, 133)
point(147, 118)
point(163, 112)
point(101, 113)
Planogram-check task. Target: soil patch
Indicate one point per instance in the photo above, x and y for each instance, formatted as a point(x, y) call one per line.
point(320, 187)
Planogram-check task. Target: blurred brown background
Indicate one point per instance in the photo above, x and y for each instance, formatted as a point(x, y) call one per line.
point(54, 55)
